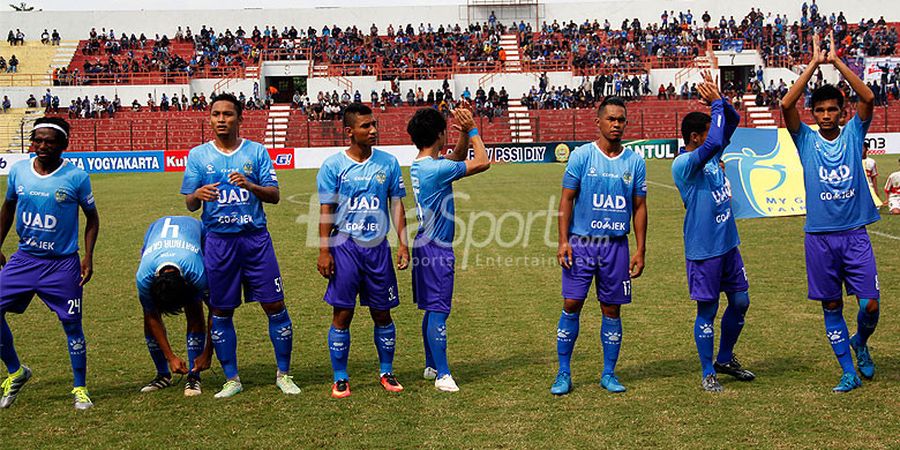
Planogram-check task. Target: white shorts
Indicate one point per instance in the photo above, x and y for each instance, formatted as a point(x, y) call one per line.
point(894, 202)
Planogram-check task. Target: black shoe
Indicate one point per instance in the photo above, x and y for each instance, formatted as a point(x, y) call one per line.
point(734, 369)
point(711, 384)
point(158, 383)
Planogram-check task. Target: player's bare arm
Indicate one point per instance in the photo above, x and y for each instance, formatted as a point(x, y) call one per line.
point(866, 104)
point(566, 204)
point(205, 193)
point(154, 325)
point(91, 230)
point(789, 101)
point(7, 213)
point(398, 213)
point(640, 236)
point(325, 262)
point(461, 125)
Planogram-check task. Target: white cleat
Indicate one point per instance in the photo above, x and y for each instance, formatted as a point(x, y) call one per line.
point(446, 384)
point(230, 389)
point(430, 373)
point(286, 384)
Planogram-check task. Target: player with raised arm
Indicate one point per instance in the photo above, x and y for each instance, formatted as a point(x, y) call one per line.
point(711, 241)
point(43, 197)
point(433, 260)
point(603, 188)
point(892, 192)
point(838, 208)
point(231, 178)
point(360, 188)
point(170, 280)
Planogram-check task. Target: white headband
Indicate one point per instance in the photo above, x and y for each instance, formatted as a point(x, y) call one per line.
point(51, 125)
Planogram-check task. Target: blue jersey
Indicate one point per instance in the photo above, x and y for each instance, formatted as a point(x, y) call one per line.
point(47, 207)
point(361, 191)
point(606, 189)
point(837, 193)
point(432, 183)
point(236, 209)
point(171, 241)
point(709, 228)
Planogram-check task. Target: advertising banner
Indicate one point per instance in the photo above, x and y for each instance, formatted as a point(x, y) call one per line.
point(117, 162)
point(548, 152)
point(883, 143)
point(282, 158)
point(8, 159)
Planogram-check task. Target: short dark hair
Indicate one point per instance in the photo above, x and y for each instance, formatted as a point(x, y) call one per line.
point(425, 127)
point(58, 121)
point(353, 110)
point(694, 122)
point(614, 101)
point(827, 92)
point(169, 291)
point(225, 97)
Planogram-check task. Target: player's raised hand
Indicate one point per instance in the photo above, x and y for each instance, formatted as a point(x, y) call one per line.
point(87, 269)
point(637, 265)
point(325, 263)
point(564, 255)
point(238, 179)
point(463, 120)
point(208, 192)
point(831, 57)
point(818, 56)
point(402, 257)
point(177, 365)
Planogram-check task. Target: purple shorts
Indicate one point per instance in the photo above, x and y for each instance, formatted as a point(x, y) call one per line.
point(364, 270)
point(55, 280)
point(433, 266)
point(840, 257)
point(605, 260)
point(243, 260)
point(724, 273)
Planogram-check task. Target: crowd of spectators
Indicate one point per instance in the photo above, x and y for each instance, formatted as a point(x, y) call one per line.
point(587, 93)
point(15, 38)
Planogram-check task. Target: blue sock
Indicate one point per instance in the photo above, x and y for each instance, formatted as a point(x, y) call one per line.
point(732, 324)
point(281, 332)
point(437, 340)
point(156, 354)
point(866, 322)
point(429, 360)
point(339, 348)
point(566, 335)
point(195, 344)
point(224, 341)
point(836, 330)
point(7, 349)
point(704, 334)
point(611, 338)
point(77, 352)
point(385, 337)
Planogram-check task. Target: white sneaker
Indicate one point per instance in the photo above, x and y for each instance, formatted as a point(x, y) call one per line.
point(430, 373)
point(192, 387)
point(287, 385)
point(230, 389)
point(446, 384)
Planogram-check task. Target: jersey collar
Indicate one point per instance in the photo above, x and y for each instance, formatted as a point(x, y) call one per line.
point(64, 162)
point(239, 147)
point(603, 154)
point(344, 152)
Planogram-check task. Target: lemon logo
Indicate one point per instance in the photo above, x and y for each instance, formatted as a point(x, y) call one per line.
point(562, 152)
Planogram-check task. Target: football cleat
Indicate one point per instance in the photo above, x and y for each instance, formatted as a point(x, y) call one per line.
point(82, 400)
point(158, 383)
point(562, 385)
point(192, 386)
point(734, 369)
point(340, 389)
point(849, 382)
point(12, 385)
point(430, 373)
point(389, 383)
point(863, 359)
point(710, 383)
point(446, 384)
point(286, 384)
point(230, 389)
point(611, 384)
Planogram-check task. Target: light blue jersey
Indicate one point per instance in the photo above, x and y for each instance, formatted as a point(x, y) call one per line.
point(236, 210)
point(361, 191)
point(171, 241)
point(432, 183)
point(47, 207)
point(709, 228)
point(837, 194)
point(606, 188)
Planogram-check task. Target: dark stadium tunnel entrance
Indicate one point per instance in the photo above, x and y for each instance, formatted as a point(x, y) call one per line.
point(282, 89)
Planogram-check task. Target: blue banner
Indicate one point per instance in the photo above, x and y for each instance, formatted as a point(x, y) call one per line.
point(117, 162)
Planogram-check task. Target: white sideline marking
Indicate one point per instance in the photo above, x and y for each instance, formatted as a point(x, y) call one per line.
point(667, 186)
point(885, 235)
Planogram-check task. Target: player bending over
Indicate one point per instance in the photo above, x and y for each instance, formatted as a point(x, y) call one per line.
point(711, 241)
point(43, 195)
point(433, 261)
point(603, 188)
point(838, 208)
point(231, 178)
point(355, 188)
point(171, 280)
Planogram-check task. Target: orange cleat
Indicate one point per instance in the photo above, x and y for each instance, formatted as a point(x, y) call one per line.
point(389, 383)
point(340, 389)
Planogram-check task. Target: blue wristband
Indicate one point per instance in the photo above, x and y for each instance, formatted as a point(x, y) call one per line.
point(473, 132)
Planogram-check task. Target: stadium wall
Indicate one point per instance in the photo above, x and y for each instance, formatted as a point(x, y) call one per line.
point(76, 24)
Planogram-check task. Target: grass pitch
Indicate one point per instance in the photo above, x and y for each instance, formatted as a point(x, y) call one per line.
point(502, 344)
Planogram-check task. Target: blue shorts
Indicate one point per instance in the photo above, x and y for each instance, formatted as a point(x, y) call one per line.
point(433, 266)
point(605, 260)
point(842, 257)
point(723, 273)
point(243, 261)
point(363, 269)
point(55, 280)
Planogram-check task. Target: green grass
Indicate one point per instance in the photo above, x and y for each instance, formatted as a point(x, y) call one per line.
point(502, 346)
